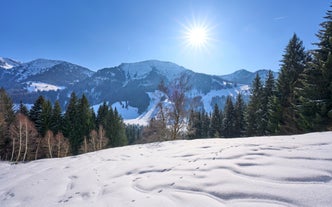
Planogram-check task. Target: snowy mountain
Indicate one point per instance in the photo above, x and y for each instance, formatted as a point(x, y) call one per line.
point(134, 87)
point(26, 81)
point(7, 63)
point(130, 87)
point(246, 77)
point(260, 171)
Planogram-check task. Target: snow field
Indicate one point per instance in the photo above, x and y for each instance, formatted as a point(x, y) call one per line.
point(260, 171)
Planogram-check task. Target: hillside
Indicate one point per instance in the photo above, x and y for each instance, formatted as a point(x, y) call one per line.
point(261, 171)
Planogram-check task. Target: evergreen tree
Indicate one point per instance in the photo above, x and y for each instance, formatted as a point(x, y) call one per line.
point(23, 109)
point(315, 95)
point(35, 113)
point(216, 122)
point(45, 117)
point(293, 64)
point(102, 114)
point(228, 124)
point(254, 109)
point(205, 125)
point(115, 129)
point(274, 114)
point(239, 123)
point(56, 118)
point(7, 117)
point(268, 93)
point(71, 124)
point(193, 124)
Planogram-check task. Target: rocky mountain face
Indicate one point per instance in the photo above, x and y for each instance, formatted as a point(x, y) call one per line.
point(131, 87)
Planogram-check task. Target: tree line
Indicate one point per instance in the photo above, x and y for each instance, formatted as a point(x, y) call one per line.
point(45, 131)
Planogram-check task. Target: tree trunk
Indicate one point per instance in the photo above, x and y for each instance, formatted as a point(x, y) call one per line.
point(20, 142)
point(26, 140)
point(37, 150)
point(59, 145)
point(49, 143)
point(85, 145)
point(12, 157)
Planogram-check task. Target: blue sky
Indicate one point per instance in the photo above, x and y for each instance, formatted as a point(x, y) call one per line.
point(250, 34)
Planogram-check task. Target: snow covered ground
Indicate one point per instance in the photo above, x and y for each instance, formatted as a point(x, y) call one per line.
point(261, 171)
point(39, 86)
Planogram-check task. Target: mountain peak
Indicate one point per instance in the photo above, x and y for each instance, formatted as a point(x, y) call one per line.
point(141, 69)
point(244, 76)
point(7, 63)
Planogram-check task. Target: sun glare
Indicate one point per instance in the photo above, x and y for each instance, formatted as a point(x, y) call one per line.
point(197, 35)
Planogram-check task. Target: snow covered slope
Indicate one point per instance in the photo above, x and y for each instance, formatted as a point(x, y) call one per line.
point(262, 171)
point(7, 63)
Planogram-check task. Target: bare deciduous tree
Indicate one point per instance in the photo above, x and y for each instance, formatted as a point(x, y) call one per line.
point(176, 94)
point(62, 145)
point(22, 131)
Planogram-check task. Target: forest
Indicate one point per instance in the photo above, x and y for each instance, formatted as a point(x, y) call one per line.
point(298, 101)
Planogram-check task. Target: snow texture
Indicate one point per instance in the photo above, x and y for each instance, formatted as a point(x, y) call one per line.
point(39, 86)
point(261, 171)
point(126, 111)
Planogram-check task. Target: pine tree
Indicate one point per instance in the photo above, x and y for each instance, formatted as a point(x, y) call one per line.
point(56, 118)
point(115, 129)
point(239, 123)
point(192, 127)
point(216, 122)
point(315, 104)
point(206, 120)
point(7, 117)
point(254, 110)
point(293, 64)
point(45, 117)
point(228, 124)
point(102, 115)
point(72, 125)
point(35, 113)
point(268, 93)
point(23, 109)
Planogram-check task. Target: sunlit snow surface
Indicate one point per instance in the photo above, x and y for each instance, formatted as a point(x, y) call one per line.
point(263, 171)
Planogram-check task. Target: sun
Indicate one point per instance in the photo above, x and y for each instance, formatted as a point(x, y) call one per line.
point(197, 35)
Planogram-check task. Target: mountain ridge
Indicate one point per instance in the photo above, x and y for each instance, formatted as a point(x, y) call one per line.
point(132, 86)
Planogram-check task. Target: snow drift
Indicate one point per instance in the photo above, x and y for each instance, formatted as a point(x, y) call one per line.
point(260, 171)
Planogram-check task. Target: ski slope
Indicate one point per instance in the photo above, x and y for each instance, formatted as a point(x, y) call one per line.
point(260, 171)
